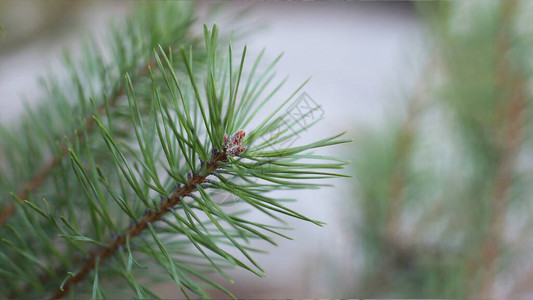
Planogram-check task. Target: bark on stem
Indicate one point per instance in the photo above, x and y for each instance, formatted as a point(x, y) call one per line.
point(137, 228)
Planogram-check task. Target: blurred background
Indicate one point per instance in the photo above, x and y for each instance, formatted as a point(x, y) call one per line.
point(437, 96)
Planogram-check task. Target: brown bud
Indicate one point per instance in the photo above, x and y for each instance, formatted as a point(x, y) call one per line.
point(232, 145)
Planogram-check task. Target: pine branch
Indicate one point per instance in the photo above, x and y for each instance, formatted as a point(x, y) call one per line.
point(174, 128)
point(488, 96)
point(150, 217)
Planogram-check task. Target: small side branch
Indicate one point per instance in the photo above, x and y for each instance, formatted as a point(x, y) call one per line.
point(38, 179)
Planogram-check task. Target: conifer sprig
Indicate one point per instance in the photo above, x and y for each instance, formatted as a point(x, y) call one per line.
point(149, 202)
point(178, 136)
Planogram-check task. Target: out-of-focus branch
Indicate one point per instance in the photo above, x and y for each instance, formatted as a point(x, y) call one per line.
point(37, 180)
point(397, 248)
point(511, 109)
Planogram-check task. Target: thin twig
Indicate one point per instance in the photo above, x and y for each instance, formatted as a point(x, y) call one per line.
point(513, 105)
point(398, 249)
point(42, 174)
point(150, 217)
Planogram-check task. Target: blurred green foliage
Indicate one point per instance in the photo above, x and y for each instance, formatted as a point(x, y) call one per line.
point(443, 190)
